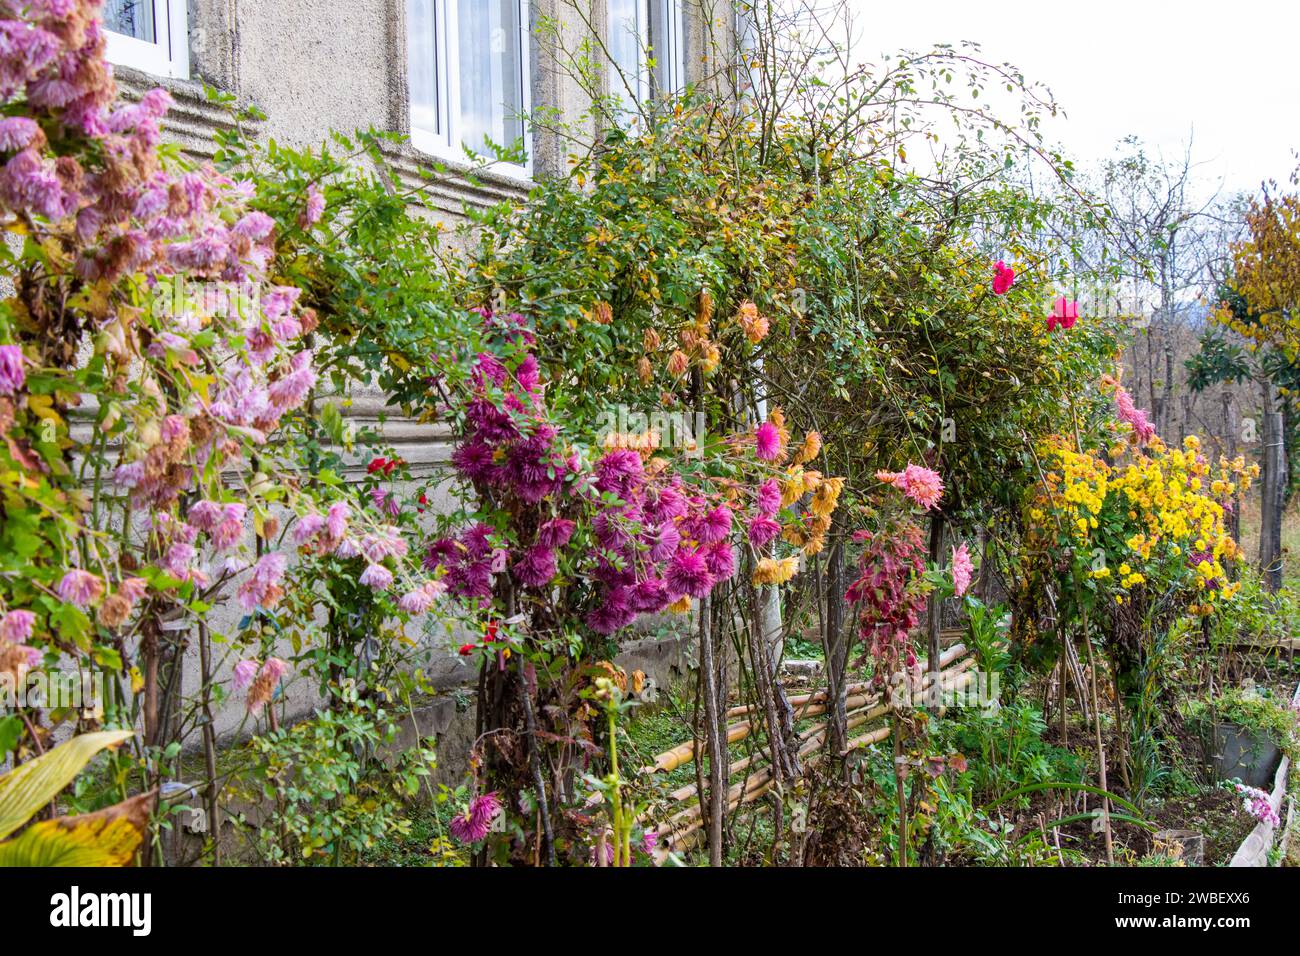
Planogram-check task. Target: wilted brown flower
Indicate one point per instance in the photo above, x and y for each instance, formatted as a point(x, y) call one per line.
point(114, 610)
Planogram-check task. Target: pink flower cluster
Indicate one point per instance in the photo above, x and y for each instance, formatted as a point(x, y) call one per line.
point(662, 542)
point(130, 215)
point(1129, 413)
point(1258, 804)
point(509, 444)
point(1004, 278)
point(469, 561)
point(657, 540)
point(474, 823)
point(918, 483)
point(962, 569)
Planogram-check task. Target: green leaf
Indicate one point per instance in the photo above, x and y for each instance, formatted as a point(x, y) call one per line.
point(11, 728)
point(32, 785)
point(108, 837)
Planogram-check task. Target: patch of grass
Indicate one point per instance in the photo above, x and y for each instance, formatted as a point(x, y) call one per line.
point(426, 844)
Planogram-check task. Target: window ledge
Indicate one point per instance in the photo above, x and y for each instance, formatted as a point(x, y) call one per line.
point(193, 120)
point(450, 190)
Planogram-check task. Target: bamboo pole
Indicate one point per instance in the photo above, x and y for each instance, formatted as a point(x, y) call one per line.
point(689, 819)
point(682, 828)
point(684, 753)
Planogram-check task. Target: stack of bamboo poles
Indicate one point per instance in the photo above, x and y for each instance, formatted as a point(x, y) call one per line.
point(862, 707)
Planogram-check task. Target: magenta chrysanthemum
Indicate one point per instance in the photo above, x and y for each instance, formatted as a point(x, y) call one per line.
point(688, 573)
point(615, 470)
point(715, 526)
point(474, 824)
point(768, 497)
point(537, 567)
point(720, 559)
point(767, 442)
point(762, 530)
point(664, 541)
point(555, 533)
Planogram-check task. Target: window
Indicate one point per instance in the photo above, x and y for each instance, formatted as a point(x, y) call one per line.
point(149, 35)
point(468, 74)
point(646, 49)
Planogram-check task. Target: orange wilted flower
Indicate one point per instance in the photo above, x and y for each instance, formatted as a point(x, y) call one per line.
point(704, 308)
point(754, 325)
point(810, 449)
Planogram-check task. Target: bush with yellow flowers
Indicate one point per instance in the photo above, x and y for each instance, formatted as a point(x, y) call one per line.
point(1150, 521)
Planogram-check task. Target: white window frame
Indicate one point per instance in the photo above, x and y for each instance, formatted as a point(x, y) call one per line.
point(168, 55)
point(446, 143)
point(660, 27)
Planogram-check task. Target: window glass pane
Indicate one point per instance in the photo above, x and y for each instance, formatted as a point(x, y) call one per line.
point(132, 18)
point(625, 38)
point(491, 81)
point(666, 46)
point(422, 64)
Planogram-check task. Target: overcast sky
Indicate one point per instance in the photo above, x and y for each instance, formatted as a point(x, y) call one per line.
point(1226, 74)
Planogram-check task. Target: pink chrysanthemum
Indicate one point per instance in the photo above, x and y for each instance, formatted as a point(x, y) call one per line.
point(474, 824)
point(16, 626)
point(421, 599)
point(245, 671)
point(12, 376)
point(376, 577)
point(336, 520)
point(762, 530)
point(922, 485)
point(308, 527)
point(314, 207)
point(262, 587)
point(768, 497)
point(80, 588)
point(767, 442)
point(962, 569)
point(1143, 430)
